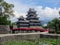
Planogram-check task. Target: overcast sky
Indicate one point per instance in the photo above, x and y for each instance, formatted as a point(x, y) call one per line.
point(46, 9)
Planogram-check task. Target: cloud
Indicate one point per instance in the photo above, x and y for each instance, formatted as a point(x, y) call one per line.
point(17, 15)
point(47, 12)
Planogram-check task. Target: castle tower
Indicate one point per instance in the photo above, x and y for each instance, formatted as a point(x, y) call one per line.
point(59, 14)
point(22, 23)
point(33, 19)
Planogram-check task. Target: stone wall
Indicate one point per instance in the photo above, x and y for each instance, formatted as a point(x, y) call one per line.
point(27, 37)
point(19, 37)
point(4, 29)
point(54, 36)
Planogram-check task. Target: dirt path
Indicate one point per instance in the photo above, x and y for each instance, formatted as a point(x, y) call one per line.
point(2, 35)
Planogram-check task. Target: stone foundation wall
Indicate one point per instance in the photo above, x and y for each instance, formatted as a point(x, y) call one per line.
point(19, 37)
point(4, 29)
point(55, 36)
point(27, 37)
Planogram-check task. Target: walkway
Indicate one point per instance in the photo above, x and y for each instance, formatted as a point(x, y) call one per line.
point(2, 35)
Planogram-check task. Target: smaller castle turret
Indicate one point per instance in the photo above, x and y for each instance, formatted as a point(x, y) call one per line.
point(22, 22)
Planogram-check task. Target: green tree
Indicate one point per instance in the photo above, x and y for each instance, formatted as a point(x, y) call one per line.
point(6, 10)
point(54, 24)
point(4, 21)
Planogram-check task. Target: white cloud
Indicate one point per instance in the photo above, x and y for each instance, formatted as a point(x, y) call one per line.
point(47, 12)
point(45, 25)
point(19, 14)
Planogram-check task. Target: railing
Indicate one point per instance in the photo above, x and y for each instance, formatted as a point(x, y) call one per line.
point(30, 29)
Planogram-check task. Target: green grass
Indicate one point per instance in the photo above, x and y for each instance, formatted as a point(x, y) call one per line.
point(35, 42)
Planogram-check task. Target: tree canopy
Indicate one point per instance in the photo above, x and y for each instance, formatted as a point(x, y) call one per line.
point(6, 10)
point(54, 24)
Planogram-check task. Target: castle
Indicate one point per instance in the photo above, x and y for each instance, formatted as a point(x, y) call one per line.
point(30, 21)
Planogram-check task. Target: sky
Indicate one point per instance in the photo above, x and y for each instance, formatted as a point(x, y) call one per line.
point(46, 9)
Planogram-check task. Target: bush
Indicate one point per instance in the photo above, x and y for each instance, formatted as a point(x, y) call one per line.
point(40, 41)
point(4, 21)
point(58, 32)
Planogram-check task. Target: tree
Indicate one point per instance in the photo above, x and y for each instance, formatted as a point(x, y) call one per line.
point(6, 10)
point(54, 24)
point(4, 21)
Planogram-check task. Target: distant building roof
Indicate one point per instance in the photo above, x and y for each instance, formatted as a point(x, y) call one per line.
point(31, 10)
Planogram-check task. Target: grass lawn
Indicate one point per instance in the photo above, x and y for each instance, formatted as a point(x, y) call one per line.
point(41, 41)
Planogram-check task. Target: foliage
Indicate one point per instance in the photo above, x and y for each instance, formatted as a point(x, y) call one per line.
point(4, 21)
point(6, 10)
point(40, 41)
point(54, 24)
point(45, 27)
